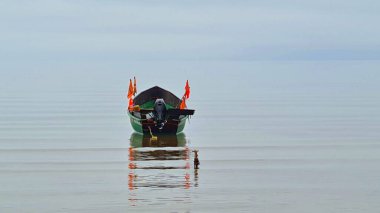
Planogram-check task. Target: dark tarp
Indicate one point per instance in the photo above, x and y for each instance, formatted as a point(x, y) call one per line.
point(154, 93)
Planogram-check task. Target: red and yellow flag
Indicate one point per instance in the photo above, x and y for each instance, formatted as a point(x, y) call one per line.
point(183, 103)
point(130, 90)
point(130, 105)
point(187, 90)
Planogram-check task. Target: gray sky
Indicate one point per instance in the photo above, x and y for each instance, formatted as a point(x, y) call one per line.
point(90, 30)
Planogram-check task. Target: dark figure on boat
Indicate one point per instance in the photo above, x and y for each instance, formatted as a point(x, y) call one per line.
point(159, 113)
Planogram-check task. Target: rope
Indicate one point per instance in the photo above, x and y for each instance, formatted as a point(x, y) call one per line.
point(153, 138)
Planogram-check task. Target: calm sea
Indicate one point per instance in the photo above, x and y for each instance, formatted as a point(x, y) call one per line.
point(272, 137)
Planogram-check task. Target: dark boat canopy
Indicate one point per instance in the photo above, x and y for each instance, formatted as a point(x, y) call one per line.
point(154, 93)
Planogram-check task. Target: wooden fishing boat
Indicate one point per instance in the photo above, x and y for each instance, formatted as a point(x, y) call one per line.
point(158, 111)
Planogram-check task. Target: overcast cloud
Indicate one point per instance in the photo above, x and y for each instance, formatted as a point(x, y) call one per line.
point(189, 30)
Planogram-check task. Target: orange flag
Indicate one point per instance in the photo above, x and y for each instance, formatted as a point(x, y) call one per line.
point(130, 105)
point(183, 103)
point(187, 90)
point(130, 90)
point(134, 86)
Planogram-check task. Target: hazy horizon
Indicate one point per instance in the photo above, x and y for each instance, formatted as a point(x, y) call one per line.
point(93, 31)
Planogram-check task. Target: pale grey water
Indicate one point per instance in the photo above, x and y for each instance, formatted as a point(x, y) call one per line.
point(272, 137)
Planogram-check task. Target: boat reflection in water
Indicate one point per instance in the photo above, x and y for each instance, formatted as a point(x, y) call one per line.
point(160, 163)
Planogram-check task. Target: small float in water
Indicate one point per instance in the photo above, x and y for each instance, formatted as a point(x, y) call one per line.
point(158, 111)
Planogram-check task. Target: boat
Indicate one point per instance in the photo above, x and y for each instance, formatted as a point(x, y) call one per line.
point(158, 111)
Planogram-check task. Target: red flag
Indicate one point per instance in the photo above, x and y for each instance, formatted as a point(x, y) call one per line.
point(130, 90)
point(130, 105)
point(134, 86)
point(187, 90)
point(183, 103)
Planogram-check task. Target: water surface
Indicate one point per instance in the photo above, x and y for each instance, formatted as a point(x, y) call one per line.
point(272, 136)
